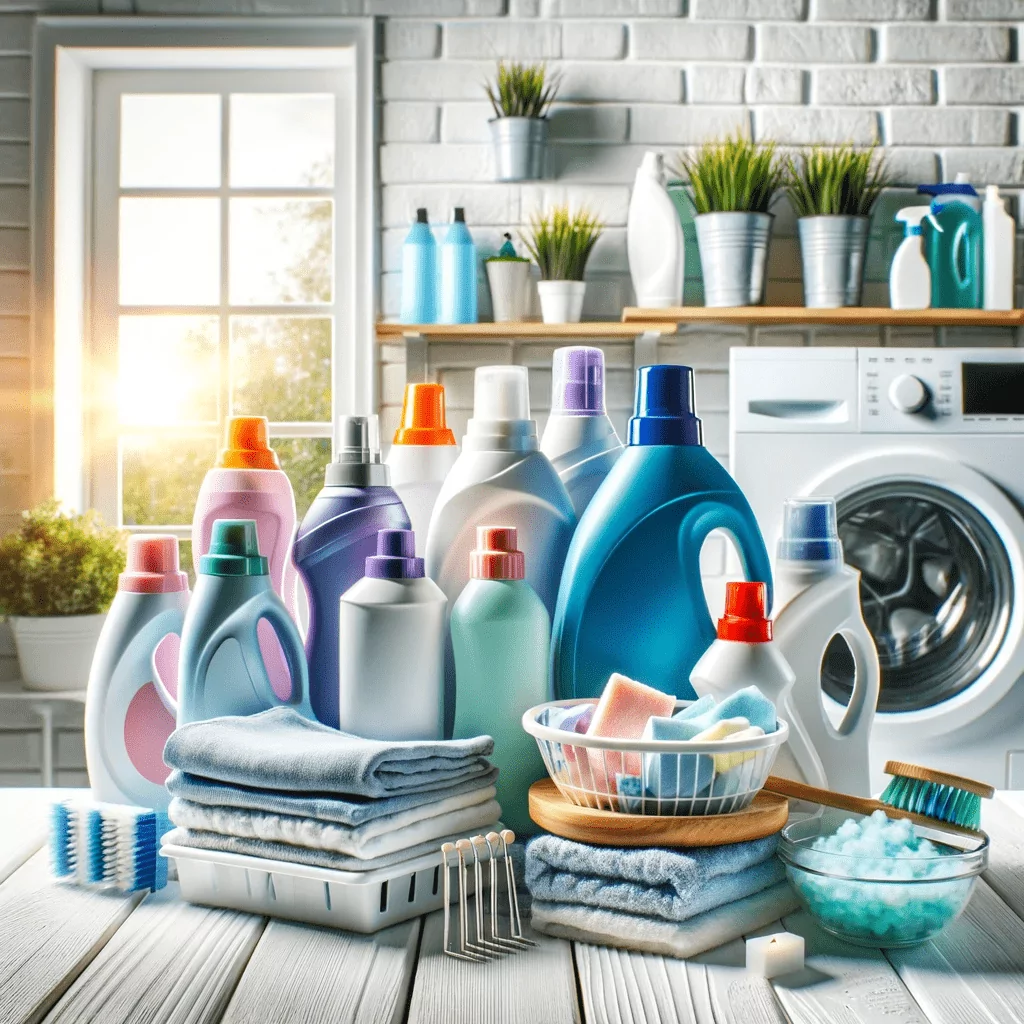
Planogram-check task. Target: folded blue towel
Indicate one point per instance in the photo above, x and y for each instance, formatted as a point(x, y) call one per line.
point(673, 885)
point(345, 810)
point(280, 750)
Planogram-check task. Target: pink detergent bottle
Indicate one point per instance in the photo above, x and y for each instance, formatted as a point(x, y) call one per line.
point(126, 721)
point(248, 483)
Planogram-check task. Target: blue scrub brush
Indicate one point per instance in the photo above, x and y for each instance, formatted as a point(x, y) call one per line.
point(108, 845)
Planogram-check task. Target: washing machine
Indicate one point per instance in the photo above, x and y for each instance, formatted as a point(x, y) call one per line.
point(923, 450)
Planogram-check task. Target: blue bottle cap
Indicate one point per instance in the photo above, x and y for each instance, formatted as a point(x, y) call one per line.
point(809, 531)
point(663, 411)
point(396, 557)
point(234, 550)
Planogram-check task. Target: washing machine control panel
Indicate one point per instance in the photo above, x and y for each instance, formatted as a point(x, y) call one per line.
point(932, 391)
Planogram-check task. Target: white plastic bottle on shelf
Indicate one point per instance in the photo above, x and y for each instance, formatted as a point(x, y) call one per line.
point(997, 247)
point(745, 655)
point(654, 239)
point(817, 598)
point(910, 277)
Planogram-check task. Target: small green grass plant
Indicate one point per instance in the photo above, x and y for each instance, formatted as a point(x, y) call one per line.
point(560, 242)
point(522, 90)
point(829, 181)
point(732, 175)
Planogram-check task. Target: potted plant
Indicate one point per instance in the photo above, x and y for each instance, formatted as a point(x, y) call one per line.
point(560, 244)
point(733, 182)
point(58, 575)
point(520, 95)
point(508, 275)
point(832, 191)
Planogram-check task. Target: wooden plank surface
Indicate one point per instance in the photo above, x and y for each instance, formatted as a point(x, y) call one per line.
point(323, 976)
point(526, 329)
point(735, 996)
point(28, 813)
point(1002, 818)
point(849, 316)
point(536, 986)
point(49, 933)
point(170, 963)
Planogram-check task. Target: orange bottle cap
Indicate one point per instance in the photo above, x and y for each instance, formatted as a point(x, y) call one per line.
point(247, 445)
point(423, 419)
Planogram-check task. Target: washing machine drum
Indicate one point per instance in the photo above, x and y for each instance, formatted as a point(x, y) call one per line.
point(936, 591)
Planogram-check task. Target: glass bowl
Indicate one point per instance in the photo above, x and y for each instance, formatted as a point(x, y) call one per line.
point(873, 902)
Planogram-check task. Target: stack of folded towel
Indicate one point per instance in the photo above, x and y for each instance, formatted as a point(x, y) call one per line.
point(671, 901)
point(278, 786)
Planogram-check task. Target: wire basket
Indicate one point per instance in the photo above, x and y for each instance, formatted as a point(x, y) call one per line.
point(666, 777)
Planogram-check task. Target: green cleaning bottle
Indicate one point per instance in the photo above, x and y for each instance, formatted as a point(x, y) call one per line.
point(953, 245)
point(500, 636)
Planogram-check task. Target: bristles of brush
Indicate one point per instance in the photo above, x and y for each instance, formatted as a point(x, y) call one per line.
point(64, 839)
point(944, 803)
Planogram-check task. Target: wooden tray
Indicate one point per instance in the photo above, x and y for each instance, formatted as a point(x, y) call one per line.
point(548, 808)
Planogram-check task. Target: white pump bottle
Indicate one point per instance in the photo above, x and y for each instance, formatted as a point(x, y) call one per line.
point(910, 278)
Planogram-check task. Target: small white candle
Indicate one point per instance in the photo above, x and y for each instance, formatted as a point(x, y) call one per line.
point(772, 955)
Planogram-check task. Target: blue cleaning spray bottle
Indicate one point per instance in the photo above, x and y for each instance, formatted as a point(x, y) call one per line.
point(631, 598)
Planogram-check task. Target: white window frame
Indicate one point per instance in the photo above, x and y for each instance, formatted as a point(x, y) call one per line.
point(68, 52)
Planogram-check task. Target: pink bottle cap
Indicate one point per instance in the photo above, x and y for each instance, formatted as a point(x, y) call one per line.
point(496, 556)
point(153, 566)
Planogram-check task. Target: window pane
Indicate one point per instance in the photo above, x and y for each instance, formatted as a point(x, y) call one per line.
point(168, 369)
point(282, 141)
point(170, 141)
point(281, 368)
point(304, 460)
point(282, 250)
point(160, 478)
point(169, 252)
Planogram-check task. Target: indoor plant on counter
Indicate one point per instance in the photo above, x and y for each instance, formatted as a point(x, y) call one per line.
point(508, 276)
point(58, 575)
point(560, 243)
point(832, 191)
point(733, 182)
point(520, 95)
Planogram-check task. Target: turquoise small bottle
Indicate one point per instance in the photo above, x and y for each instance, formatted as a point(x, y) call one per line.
point(458, 273)
point(500, 634)
point(419, 273)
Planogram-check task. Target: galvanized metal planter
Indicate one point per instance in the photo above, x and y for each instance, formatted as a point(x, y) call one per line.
point(733, 256)
point(832, 253)
point(511, 289)
point(519, 144)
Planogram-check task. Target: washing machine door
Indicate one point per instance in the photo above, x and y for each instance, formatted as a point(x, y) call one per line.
point(939, 550)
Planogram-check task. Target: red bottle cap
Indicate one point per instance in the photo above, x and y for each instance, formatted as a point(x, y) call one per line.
point(153, 566)
point(423, 418)
point(744, 619)
point(247, 445)
point(496, 556)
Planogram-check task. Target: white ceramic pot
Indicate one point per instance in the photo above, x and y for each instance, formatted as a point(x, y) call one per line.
point(510, 289)
point(55, 651)
point(561, 302)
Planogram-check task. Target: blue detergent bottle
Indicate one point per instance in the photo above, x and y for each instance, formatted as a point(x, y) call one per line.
point(221, 669)
point(631, 598)
point(953, 245)
point(419, 273)
point(458, 273)
point(334, 539)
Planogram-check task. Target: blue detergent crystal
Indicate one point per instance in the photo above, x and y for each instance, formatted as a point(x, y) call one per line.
point(877, 882)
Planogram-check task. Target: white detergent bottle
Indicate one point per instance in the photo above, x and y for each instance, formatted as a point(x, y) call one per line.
point(391, 647)
point(579, 438)
point(745, 655)
point(126, 722)
point(654, 239)
point(997, 249)
point(501, 476)
point(817, 598)
point(910, 277)
point(422, 454)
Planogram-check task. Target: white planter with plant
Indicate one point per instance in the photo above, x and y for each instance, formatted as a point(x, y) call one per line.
point(58, 575)
point(733, 182)
point(832, 192)
point(560, 244)
point(508, 276)
point(520, 95)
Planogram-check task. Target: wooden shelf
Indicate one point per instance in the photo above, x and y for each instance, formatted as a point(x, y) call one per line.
point(850, 316)
point(531, 329)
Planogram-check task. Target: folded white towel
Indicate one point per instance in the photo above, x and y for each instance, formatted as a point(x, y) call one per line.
point(375, 838)
point(652, 935)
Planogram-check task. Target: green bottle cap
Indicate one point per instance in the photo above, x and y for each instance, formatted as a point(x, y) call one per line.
point(234, 550)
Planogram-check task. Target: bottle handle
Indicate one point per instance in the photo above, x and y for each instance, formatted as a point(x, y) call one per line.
point(959, 241)
point(866, 678)
point(290, 579)
point(164, 662)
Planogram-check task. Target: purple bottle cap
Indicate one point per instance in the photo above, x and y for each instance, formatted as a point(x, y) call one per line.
point(577, 382)
point(396, 557)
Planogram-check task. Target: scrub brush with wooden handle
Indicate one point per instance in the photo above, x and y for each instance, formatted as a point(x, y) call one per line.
point(927, 797)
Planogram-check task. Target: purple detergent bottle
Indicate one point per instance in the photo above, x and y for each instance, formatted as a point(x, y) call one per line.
point(337, 535)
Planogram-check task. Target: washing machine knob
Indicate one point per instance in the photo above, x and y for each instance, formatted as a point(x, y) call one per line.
point(908, 393)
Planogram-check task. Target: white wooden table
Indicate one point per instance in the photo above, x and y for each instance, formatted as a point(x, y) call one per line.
point(69, 954)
